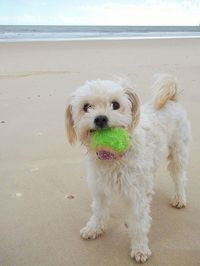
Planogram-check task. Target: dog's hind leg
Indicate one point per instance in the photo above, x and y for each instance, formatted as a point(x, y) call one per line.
point(178, 160)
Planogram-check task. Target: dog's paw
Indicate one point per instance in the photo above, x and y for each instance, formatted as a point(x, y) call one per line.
point(140, 256)
point(88, 232)
point(178, 202)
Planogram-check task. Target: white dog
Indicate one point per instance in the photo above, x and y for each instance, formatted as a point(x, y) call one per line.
point(158, 130)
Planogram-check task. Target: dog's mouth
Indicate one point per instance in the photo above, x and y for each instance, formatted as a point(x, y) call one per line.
point(105, 154)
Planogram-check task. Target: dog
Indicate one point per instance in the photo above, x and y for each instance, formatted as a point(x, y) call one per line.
point(158, 130)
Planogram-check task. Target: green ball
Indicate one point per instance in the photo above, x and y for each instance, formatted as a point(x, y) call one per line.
point(115, 139)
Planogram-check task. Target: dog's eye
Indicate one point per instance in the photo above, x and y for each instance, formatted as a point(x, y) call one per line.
point(115, 105)
point(86, 107)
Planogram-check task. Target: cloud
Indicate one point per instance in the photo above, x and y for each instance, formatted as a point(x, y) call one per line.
point(148, 12)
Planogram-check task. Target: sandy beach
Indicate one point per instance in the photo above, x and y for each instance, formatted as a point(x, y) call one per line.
point(44, 199)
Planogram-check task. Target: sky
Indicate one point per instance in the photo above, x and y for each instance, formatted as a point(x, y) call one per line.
point(96, 12)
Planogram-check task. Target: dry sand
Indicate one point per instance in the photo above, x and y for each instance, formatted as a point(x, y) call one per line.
point(39, 220)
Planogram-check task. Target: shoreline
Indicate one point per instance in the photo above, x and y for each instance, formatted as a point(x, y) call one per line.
point(99, 39)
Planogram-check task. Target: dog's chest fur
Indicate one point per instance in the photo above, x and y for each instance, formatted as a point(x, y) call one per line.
point(122, 176)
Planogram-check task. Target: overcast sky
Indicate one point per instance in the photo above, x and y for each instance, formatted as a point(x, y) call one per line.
point(96, 12)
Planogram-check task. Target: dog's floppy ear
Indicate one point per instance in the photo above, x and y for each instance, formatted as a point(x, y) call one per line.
point(135, 103)
point(71, 134)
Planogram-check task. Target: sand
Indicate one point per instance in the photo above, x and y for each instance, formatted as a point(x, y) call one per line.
point(44, 199)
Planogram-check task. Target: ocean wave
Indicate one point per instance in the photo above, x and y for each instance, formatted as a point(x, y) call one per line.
point(93, 32)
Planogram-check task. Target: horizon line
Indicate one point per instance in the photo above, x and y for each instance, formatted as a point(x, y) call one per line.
point(100, 25)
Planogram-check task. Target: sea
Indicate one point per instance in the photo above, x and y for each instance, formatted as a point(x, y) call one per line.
point(61, 33)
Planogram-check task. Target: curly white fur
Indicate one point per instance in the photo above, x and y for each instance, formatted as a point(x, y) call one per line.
point(159, 130)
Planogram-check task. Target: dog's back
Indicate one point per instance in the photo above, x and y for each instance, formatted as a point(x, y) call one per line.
point(164, 121)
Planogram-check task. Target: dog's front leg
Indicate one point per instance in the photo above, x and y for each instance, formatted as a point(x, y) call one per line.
point(97, 223)
point(139, 222)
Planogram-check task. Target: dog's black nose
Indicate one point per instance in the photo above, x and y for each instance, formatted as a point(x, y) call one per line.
point(101, 121)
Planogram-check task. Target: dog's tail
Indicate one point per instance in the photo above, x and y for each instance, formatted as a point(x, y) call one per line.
point(166, 89)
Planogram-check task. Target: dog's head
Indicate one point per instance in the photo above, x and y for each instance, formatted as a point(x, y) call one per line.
point(100, 104)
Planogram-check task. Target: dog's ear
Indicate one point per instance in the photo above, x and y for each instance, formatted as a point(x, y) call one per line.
point(69, 123)
point(135, 106)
